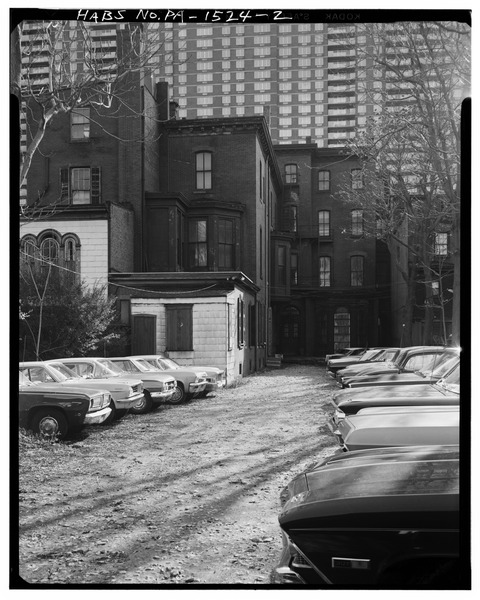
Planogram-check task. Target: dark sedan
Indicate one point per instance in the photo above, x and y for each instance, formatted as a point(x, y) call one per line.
point(54, 411)
point(386, 518)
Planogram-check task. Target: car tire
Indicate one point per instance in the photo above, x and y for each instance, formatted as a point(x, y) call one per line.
point(50, 422)
point(113, 415)
point(143, 406)
point(179, 396)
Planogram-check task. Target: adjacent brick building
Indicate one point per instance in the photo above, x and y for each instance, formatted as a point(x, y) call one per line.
point(220, 247)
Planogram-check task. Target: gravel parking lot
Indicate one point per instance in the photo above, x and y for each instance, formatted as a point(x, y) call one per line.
point(184, 495)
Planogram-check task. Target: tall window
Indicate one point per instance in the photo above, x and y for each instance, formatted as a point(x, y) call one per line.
point(324, 271)
point(357, 222)
point(80, 124)
point(341, 329)
point(356, 271)
point(226, 245)
point(80, 185)
point(203, 166)
point(324, 223)
point(357, 179)
point(323, 181)
point(49, 250)
point(291, 174)
point(197, 242)
point(281, 265)
point(441, 244)
point(294, 268)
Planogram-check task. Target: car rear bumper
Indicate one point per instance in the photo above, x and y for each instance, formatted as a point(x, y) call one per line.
point(97, 417)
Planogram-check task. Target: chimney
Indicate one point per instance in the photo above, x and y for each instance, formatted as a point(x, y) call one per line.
point(162, 98)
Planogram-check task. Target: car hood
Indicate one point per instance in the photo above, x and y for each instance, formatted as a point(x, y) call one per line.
point(116, 384)
point(393, 392)
point(400, 426)
point(55, 388)
point(210, 370)
point(376, 484)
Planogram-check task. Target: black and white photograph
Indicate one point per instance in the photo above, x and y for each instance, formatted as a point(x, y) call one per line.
point(242, 335)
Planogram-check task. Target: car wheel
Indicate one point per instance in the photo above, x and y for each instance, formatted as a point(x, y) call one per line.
point(143, 406)
point(50, 423)
point(179, 396)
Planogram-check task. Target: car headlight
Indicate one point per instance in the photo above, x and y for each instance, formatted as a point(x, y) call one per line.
point(130, 391)
point(96, 403)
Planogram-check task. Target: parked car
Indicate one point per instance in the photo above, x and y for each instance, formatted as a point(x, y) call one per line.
point(379, 518)
point(72, 371)
point(216, 377)
point(158, 387)
point(51, 410)
point(367, 356)
point(438, 368)
point(191, 381)
point(386, 426)
point(344, 352)
point(408, 360)
point(444, 392)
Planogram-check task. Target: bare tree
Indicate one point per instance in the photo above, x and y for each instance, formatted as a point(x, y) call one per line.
point(70, 65)
point(409, 146)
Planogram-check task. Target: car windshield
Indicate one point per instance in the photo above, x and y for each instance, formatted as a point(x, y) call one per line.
point(452, 381)
point(438, 365)
point(109, 367)
point(68, 373)
point(370, 354)
point(145, 364)
point(167, 363)
point(43, 374)
point(123, 365)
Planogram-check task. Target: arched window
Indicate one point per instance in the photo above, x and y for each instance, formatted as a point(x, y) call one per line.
point(28, 247)
point(50, 250)
point(70, 250)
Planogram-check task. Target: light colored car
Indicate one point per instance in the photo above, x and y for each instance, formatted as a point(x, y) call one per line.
point(344, 352)
point(438, 368)
point(52, 410)
point(386, 426)
point(216, 377)
point(408, 360)
point(336, 364)
point(158, 387)
point(191, 381)
point(444, 392)
point(125, 392)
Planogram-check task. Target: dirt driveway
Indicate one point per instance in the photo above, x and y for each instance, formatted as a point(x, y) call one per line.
point(187, 494)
